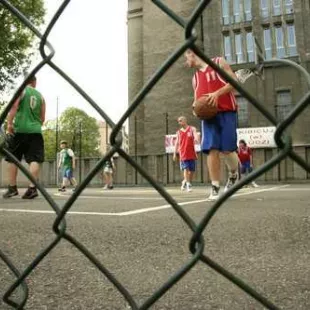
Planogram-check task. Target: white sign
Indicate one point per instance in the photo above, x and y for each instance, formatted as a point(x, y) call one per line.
point(257, 137)
point(170, 141)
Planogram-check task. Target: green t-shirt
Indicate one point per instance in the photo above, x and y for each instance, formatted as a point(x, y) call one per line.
point(66, 156)
point(28, 115)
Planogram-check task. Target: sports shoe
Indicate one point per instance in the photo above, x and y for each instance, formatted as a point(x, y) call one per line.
point(215, 193)
point(232, 179)
point(11, 191)
point(254, 184)
point(110, 187)
point(188, 187)
point(30, 193)
point(61, 189)
point(106, 187)
point(183, 186)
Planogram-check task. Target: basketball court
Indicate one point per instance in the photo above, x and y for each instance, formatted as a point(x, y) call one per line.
point(261, 235)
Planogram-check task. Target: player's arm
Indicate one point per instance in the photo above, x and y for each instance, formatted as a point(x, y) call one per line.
point(43, 109)
point(176, 148)
point(12, 114)
point(195, 133)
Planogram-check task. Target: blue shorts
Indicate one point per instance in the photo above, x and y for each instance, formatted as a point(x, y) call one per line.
point(245, 167)
point(188, 164)
point(219, 133)
point(68, 173)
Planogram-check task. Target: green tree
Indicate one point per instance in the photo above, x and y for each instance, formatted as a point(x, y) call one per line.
point(17, 40)
point(75, 123)
point(49, 135)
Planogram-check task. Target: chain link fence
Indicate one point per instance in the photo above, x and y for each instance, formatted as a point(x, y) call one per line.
point(196, 243)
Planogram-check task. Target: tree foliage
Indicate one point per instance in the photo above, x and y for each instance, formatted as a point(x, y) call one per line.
point(74, 124)
point(17, 40)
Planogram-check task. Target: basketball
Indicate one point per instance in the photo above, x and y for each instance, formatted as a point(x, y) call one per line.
point(203, 109)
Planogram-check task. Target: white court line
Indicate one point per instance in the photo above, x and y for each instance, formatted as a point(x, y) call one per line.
point(112, 197)
point(138, 211)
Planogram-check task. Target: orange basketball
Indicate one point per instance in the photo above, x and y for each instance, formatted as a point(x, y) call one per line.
point(203, 109)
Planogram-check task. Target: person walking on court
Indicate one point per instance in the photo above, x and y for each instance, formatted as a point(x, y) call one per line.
point(219, 134)
point(108, 170)
point(246, 159)
point(66, 165)
point(24, 124)
point(185, 146)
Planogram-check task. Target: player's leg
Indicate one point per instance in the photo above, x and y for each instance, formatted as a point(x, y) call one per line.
point(184, 173)
point(17, 149)
point(34, 156)
point(111, 186)
point(190, 174)
point(210, 144)
point(228, 138)
point(106, 175)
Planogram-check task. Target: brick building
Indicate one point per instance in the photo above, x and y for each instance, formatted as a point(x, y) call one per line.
point(226, 28)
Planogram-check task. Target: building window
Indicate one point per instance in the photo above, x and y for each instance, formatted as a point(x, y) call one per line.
point(250, 46)
point(267, 43)
point(291, 40)
point(280, 42)
point(276, 7)
point(289, 9)
point(225, 12)
point(227, 49)
point(238, 48)
point(284, 104)
point(264, 7)
point(236, 6)
point(248, 10)
point(243, 112)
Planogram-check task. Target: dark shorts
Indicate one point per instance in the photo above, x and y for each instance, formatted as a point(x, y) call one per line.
point(245, 167)
point(219, 133)
point(188, 164)
point(27, 145)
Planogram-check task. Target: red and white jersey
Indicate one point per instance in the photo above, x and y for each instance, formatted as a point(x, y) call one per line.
point(209, 81)
point(244, 154)
point(186, 144)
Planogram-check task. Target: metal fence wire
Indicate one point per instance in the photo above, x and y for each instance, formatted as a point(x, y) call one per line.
point(197, 245)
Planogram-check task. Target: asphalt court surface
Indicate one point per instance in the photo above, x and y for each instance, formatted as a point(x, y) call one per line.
point(261, 235)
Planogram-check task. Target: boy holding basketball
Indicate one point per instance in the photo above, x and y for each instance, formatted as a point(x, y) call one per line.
point(219, 134)
point(185, 146)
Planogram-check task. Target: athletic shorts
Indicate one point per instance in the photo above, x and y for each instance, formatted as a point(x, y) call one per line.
point(188, 164)
point(107, 170)
point(67, 173)
point(245, 167)
point(27, 145)
point(220, 133)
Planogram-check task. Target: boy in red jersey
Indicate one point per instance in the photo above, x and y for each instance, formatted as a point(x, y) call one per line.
point(246, 159)
point(219, 134)
point(185, 145)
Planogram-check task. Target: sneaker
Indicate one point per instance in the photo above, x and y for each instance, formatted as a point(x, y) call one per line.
point(30, 193)
point(106, 187)
point(188, 187)
point(61, 189)
point(255, 185)
point(183, 186)
point(11, 191)
point(232, 179)
point(110, 187)
point(215, 193)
